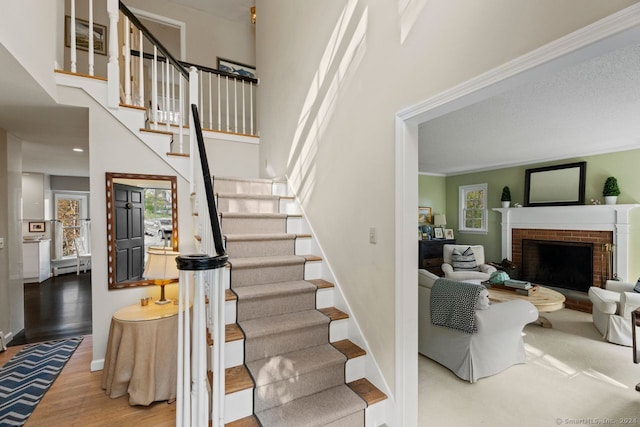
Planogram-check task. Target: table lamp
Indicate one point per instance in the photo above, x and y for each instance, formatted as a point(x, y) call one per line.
point(161, 267)
point(439, 220)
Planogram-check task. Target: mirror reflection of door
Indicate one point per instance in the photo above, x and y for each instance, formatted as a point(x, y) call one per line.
point(129, 231)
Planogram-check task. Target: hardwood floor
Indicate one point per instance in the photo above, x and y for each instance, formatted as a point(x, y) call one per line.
point(76, 398)
point(59, 307)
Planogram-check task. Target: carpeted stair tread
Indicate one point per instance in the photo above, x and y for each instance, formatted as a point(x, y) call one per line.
point(274, 289)
point(320, 409)
point(273, 299)
point(271, 261)
point(248, 196)
point(258, 237)
point(299, 362)
point(243, 185)
point(251, 215)
point(285, 322)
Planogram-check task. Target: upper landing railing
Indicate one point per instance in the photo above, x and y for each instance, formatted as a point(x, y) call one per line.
point(145, 74)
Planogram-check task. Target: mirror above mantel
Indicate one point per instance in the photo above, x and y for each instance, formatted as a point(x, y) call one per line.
point(142, 212)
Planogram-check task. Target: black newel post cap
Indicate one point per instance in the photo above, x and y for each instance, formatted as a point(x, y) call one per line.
point(199, 262)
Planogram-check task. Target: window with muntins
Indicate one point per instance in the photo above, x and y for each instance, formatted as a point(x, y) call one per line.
point(473, 208)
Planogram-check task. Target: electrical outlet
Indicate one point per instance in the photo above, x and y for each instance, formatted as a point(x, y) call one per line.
point(1, 242)
point(373, 235)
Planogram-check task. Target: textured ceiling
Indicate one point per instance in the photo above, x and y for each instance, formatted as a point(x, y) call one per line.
point(585, 109)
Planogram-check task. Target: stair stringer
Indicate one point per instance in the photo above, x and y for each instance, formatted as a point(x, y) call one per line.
point(360, 367)
point(379, 413)
point(132, 119)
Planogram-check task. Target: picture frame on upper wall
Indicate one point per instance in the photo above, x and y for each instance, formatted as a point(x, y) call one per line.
point(448, 233)
point(424, 215)
point(237, 68)
point(36, 227)
point(82, 35)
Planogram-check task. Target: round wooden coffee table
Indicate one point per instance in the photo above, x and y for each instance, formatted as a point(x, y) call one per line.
point(544, 299)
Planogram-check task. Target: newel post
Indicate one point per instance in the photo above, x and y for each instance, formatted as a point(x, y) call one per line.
point(113, 69)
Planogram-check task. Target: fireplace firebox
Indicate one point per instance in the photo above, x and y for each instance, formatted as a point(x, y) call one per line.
point(561, 264)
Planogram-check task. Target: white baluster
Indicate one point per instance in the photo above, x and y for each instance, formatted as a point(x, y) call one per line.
point(181, 111)
point(154, 89)
point(72, 34)
point(201, 95)
point(167, 104)
point(193, 99)
point(174, 110)
point(244, 128)
point(91, 47)
point(219, 327)
point(235, 105)
point(127, 61)
point(210, 105)
point(219, 104)
point(228, 123)
point(251, 105)
point(140, 70)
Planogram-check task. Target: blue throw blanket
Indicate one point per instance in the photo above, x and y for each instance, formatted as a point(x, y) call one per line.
point(453, 304)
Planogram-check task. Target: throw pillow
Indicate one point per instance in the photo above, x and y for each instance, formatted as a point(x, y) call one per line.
point(637, 287)
point(465, 261)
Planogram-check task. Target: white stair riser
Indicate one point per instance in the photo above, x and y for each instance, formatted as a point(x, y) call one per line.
point(354, 369)
point(238, 405)
point(233, 204)
point(375, 415)
point(247, 187)
point(280, 189)
point(339, 330)
point(324, 298)
point(230, 312)
point(303, 245)
point(289, 206)
point(233, 354)
point(313, 270)
point(297, 225)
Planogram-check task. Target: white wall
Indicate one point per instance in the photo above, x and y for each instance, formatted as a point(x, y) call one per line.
point(113, 148)
point(232, 157)
point(11, 289)
point(329, 95)
point(27, 31)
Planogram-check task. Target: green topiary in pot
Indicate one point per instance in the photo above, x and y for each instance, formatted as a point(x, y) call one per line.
point(611, 191)
point(611, 187)
point(506, 197)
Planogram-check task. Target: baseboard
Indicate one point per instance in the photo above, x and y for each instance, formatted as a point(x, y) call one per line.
point(97, 365)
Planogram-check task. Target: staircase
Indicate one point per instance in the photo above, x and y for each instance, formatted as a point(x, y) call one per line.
point(296, 351)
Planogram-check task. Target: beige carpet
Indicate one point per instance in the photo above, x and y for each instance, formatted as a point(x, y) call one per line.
point(572, 377)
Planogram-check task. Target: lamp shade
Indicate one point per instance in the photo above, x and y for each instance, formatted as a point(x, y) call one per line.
point(439, 220)
point(161, 264)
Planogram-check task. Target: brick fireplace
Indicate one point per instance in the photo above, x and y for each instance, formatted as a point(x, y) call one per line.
point(598, 225)
point(598, 240)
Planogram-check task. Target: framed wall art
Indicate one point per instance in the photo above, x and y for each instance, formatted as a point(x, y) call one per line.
point(232, 67)
point(82, 35)
point(36, 227)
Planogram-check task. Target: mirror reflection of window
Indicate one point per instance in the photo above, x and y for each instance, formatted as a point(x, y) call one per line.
point(141, 215)
point(72, 211)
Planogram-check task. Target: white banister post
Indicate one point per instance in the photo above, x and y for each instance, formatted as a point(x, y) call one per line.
point(91, 47)
point(193, 99)
point(72, 34)
point(113, 69)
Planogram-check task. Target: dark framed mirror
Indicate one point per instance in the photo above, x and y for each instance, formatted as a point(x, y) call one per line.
point(142, 212)
point(560, 185)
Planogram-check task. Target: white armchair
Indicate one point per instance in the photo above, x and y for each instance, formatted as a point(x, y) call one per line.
point(496, 345)
point(484, 270)
point(612, 309)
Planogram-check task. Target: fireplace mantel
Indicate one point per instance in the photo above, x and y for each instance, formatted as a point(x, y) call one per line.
point(613, 218)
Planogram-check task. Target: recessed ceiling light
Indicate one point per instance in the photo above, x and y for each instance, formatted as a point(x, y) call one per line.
point(78, 150)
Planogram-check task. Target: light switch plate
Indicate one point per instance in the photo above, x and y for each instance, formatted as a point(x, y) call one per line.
point(1, 242)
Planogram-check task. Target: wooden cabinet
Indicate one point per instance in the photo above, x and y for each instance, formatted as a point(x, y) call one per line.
point(430, 254)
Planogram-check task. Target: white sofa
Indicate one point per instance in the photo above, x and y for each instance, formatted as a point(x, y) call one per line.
point(495, 346)
point(612, 309)
point(478, 250)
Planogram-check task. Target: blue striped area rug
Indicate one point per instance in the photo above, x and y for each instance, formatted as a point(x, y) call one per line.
point(28, 375)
